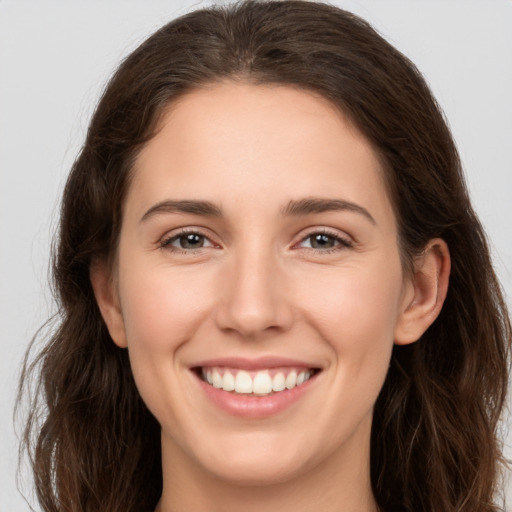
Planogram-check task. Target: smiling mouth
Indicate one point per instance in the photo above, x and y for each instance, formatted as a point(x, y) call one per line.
point(255, 383)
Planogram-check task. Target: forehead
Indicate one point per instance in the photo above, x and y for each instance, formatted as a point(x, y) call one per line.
point(248, 139)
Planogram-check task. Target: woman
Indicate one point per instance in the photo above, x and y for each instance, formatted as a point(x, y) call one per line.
point(275, 293)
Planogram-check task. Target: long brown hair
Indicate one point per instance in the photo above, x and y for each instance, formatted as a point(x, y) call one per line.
point(92, 442)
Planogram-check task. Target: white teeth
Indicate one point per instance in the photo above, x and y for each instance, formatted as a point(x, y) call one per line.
point(278, 382)
point(228, 382)
point(291, 380)
point(243, 382)
point(259, 383)
point(262, 383)
point(217, 379)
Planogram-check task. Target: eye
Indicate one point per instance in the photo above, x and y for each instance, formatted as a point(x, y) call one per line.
point(186, 241)
point(324, 241)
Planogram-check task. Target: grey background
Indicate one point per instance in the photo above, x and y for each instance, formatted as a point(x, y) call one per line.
point(55, 56)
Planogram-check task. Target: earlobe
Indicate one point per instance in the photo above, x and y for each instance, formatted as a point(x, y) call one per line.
point(108, 302)
point(427, 291)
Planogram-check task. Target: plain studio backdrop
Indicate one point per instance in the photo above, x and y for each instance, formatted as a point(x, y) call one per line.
point(55, 57)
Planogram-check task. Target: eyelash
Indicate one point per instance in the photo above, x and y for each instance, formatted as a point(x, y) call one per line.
point(342, 242)
point(166, 242)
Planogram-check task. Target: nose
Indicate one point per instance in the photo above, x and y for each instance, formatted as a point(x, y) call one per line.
point(254, 301)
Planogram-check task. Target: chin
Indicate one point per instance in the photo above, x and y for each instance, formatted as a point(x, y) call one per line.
point(264, 463)
point(255, 473)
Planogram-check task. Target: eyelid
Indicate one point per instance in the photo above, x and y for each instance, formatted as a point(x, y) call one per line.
point(345, 241)
point(166, 240)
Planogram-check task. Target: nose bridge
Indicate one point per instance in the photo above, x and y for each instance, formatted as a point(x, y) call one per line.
point(254, 300)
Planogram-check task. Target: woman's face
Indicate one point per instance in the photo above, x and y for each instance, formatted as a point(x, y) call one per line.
point(258, 250)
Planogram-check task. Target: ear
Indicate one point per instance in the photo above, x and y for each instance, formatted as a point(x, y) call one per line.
point(106, 295)
point(425, 292)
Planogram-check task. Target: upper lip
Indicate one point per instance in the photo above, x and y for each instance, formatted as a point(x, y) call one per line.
point(260, 363)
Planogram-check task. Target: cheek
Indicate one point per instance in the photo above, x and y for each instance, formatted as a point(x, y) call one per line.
point(357, 304)
point(161, 309)
point(355, 312)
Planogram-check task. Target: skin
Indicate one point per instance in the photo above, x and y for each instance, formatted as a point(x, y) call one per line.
point(256, 285)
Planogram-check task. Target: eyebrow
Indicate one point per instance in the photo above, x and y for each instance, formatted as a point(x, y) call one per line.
point(293, 208)
point(320, 205)
point(204, 208)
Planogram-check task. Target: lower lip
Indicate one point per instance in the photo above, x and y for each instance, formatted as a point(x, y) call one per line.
point(255, 407)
